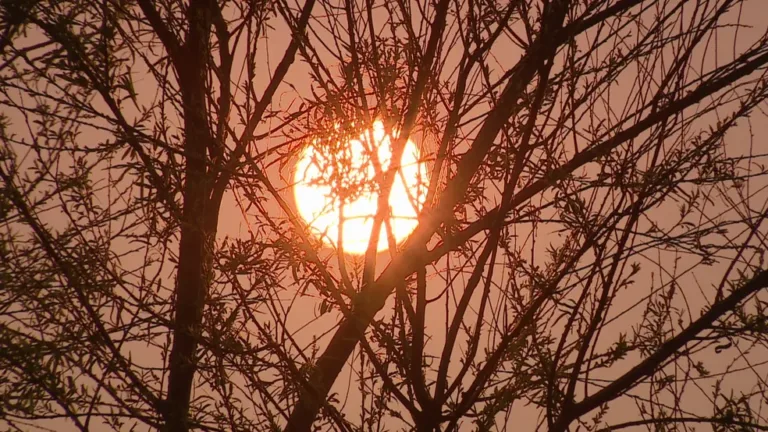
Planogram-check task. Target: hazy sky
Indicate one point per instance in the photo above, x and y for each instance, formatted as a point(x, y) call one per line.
point(695, 288)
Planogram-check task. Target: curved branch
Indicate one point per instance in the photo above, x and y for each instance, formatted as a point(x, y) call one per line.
point(668, 350)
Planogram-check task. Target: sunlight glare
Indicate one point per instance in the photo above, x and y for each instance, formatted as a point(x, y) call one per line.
point(352, 171)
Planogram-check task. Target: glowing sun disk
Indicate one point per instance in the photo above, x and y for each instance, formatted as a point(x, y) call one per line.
point(335, 183)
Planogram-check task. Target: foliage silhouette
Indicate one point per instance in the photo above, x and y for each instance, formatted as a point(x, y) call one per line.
point(590, 253)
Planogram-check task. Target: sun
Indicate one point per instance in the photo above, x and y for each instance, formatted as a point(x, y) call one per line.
point(335, 187)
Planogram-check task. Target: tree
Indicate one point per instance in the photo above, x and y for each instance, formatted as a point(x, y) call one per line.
point(589, 254)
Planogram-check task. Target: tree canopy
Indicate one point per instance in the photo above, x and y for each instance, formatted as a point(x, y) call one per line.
point(588, 250)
